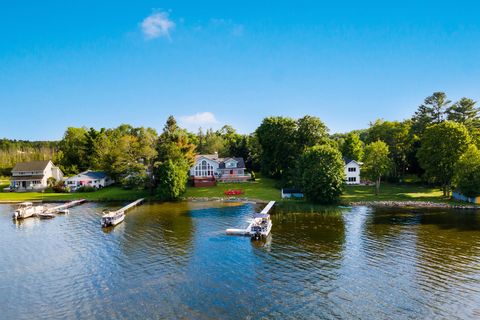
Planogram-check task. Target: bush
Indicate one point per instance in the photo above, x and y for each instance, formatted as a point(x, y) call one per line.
point(86, 189)
point(467, 172)
point(321, 174)
point(60, 188)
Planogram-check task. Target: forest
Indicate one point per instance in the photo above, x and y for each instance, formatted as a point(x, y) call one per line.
point(439, 145)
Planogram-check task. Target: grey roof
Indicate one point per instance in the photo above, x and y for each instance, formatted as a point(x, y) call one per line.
point(213, 157)
point(37, 165)
point(240, 163)
point(95, 175)
point(347, 160)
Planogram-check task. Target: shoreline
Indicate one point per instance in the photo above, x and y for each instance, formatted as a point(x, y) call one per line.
point(413, 204)
point(373, 204)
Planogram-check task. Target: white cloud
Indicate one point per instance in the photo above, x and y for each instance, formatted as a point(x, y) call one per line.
point(156, 25)
point(201, 119)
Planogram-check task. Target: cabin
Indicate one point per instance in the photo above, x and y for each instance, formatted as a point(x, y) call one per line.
point(34, 175)
point(352, 171)
point(95, 179)
point(289, 193)
point(208, 169)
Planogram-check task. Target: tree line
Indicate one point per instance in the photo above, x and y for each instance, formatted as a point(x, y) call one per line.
point(439, 143)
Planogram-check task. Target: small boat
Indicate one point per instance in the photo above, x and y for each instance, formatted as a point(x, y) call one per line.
point(26, 210)
point(260, 226)
point(63, 211)
point(112, 218)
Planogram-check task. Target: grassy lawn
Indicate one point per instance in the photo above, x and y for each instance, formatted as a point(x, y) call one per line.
point(392, 192)
point(107, 194)
point(261, 188)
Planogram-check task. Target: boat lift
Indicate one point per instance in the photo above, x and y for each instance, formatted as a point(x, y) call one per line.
point(258, 227)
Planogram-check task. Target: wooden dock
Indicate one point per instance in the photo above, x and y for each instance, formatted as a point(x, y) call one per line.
point(131, 205)
point(268, 207)
point(64, 206)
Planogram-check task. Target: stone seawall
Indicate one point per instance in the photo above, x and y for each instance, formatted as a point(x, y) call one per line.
point(414, 204)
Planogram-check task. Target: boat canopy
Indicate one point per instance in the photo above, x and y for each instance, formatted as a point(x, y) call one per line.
point(25, 204)
point(261, 216)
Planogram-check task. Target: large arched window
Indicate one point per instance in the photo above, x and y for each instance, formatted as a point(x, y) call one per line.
point(203, 169)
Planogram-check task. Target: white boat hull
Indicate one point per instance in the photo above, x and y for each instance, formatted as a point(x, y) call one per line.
point(257, 232)
point(112, 220)
point(24, 213)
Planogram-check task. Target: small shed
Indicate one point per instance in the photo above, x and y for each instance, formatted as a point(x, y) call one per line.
point(288, 193)
point(460, 197)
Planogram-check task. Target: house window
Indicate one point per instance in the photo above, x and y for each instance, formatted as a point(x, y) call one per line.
point(352, 169)
point(352, 179)
point(203, 169)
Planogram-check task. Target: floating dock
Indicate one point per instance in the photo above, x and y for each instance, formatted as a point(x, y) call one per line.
point(247, 230)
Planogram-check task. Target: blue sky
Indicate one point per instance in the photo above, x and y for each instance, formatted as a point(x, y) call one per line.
point(103, 63)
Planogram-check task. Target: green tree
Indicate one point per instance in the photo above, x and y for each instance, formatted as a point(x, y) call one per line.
point(175, 155)
point(321, 174)
point(376, 162)
point(173, 180)
point(465, 112)
point(432, 111)
point(211, 142)
point(467, 172)
point(73, 155)
point(440, 148)
point(276, 136)
point(400, 140)
point(352, 147)
point(310, 132)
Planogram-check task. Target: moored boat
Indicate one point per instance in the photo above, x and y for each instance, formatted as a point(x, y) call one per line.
point(112, 218)
point(26, 210)
point(260, 226)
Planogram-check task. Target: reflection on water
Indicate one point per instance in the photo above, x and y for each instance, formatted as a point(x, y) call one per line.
point(174, 261)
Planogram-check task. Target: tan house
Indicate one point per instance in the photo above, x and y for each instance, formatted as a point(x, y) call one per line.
point(33, 175)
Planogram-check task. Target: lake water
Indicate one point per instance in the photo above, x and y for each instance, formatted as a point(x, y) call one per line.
point(175, 261)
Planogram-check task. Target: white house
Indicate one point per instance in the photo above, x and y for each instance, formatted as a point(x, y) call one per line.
point(210, 166)
point(352, 171)
point(33, 175)
point(96, 179)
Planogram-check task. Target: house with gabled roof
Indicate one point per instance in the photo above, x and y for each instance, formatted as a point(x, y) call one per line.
point(209, 168)
point(352, 171)
point(95, 179)
point(33, 175)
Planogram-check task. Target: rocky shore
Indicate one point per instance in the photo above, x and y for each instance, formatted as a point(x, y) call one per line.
point(414, 204)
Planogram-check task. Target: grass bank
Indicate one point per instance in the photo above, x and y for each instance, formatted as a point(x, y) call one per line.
point(107, 194)
point(392, 192)
point(261, 189)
